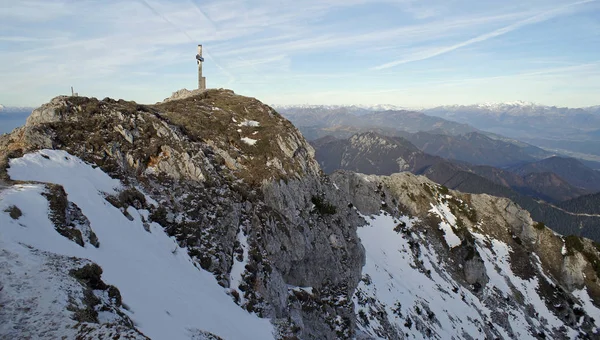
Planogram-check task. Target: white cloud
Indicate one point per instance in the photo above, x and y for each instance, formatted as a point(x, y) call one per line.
point(272, 47)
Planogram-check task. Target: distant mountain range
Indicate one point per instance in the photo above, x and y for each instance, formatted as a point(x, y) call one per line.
point(475, 148)
point(14, 109)
point(12, 117)
point(350, 108)
point(373, 153)
point(344, 121)
point(575, 130)
point(433, 135)
point(569, 169)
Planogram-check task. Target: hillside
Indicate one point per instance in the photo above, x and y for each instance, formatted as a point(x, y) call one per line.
point(343, 121)
point(569, 131)
point(206, 216)
point(588, 204)
point(570, 169)
point(475, 148)
point(559, 220)
point(372, 153)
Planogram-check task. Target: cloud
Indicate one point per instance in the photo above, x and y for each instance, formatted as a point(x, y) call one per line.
point(372, 39)
point(143, 48)
point(430, 53)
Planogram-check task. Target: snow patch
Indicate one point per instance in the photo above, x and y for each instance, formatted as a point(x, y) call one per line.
point(588, 306)
point(249, 141)
point(448, 220)
point(251, 123)
point(392, 281)
point(167, 294)
point(239, 267)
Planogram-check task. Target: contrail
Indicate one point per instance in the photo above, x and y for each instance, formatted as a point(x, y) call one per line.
point(221, 68)
point(227, 73)
point(213, 24)
point(501, 31)
point(147, 5)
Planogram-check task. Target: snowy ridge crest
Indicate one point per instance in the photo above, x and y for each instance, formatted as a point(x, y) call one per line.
point(442, 269)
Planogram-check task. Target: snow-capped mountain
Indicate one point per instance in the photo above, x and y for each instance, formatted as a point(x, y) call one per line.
point(15, 109)
point(350, 108)
point(162, 221)
point(502, 106)
point(515, 108)
point(558, 128)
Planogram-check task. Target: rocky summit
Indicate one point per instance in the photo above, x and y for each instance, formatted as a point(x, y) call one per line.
point(206, 216)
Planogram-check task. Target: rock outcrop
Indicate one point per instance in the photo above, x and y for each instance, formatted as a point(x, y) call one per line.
point(220, 166)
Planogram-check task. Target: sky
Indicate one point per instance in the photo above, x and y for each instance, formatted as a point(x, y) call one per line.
point(408, 53)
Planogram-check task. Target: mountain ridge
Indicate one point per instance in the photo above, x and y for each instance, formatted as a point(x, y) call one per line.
point(319, 256)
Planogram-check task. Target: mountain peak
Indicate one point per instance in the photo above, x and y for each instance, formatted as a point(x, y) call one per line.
point(517, 103)
point(253, 140)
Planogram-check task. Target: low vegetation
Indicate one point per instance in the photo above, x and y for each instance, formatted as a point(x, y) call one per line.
point(323, 207)
point(14, 212)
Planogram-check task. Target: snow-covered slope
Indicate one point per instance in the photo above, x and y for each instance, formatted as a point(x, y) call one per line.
point(404, 281)
point(167, 296)
point(442, 268)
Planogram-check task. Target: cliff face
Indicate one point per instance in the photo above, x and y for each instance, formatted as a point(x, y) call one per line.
point(212, 182)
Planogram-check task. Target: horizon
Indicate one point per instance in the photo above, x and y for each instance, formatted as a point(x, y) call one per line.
point(402, 53)
point(365, 106)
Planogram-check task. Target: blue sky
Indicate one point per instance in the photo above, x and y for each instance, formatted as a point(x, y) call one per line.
point(404, 52)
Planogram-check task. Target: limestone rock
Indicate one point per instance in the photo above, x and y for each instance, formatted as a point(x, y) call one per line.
point(49, 112)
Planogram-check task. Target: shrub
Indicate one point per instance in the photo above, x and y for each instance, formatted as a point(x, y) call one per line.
point(323, 207)
point(132, 197)
point(400, 227)
point(14, 212)
point(572, 243)
point(539, 225)
point(159, 215)
point(90, 275)
point(115, 295)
